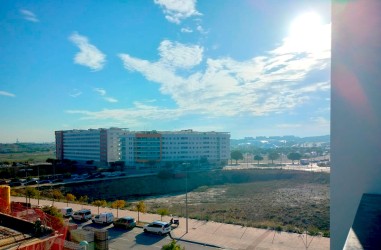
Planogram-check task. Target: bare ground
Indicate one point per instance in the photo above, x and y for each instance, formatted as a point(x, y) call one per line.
point(294, 205)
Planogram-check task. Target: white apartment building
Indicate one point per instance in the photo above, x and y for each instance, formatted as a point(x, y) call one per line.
point(171, 148)
point(98, 145)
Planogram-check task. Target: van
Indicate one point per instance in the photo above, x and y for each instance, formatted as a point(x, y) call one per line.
point(82, 215)
point(67, 211)
point(103, 218)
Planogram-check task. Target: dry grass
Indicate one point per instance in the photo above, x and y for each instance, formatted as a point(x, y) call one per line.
point(293, 205)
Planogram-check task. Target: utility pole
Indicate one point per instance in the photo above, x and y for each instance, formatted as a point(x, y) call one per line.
point(186, 200)
point(186, 195)
point(38, 185)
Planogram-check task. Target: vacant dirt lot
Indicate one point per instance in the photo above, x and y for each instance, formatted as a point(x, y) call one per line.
point(293, 204)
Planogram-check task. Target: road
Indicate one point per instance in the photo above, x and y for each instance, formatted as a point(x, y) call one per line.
point(313, 167)
point(137, 239)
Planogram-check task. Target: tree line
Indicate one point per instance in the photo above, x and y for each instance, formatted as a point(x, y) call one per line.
point(272, 155)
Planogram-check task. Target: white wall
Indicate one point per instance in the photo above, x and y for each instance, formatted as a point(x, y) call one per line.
point(355, 111)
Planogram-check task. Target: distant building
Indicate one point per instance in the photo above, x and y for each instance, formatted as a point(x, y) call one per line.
point(98, 145)
point(144, 149)
point(153, 148)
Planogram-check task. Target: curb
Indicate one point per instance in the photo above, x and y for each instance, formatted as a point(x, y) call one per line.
point(194, 242)
point(189, 241)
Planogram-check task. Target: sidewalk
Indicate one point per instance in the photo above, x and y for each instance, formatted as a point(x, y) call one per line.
point(211, 233)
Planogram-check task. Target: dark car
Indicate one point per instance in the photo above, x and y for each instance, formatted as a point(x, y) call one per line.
point(57, 180)
point(33, 182)
point(44, 182)
point(15, 184)
point(125, 222)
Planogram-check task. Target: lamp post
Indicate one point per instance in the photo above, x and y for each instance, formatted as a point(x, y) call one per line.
point(38, 185)
point(186, 199)
point(186, 195)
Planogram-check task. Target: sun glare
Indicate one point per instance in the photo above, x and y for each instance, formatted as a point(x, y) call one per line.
point(308, 33)
point(305, 24)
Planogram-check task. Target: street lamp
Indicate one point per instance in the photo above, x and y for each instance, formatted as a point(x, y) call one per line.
point(38, 185)
point(186, 195)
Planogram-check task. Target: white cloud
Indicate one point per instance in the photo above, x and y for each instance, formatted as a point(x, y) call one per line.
point(140, 112)
point(29, 15)
point(320, 121)
point(288, 125)
point(186, 30)
point(177, 10)
point(89, 55)
point(179, 55)
point(75, 93)
point(103, 93)
point(5, 93)
point(110, 99)
point(273, 83)
point(100, 91)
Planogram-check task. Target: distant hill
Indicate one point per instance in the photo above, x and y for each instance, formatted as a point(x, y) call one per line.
point(279, 141)
point(26, 147)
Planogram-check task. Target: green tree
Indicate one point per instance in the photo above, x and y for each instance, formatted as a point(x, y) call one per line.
point(69, 197)
point(118, 204)
point(141, 208)
point(258, 158)
point(273, 156)
point(162, 212)
point(294, 157)
point(99, 203)
point(30, 192)
point(53, 211)
point(236, 155)
point(83, 199)
point(56, 195)
point(172, 246)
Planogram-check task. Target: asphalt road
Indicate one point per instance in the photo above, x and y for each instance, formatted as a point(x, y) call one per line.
point(137, 239)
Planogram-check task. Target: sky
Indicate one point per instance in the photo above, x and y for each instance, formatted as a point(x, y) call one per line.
point(248, 67)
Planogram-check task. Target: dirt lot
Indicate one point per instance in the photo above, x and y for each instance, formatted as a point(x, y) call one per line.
point(294, 204)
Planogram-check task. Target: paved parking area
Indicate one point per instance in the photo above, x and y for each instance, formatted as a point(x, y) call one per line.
point(211, 233)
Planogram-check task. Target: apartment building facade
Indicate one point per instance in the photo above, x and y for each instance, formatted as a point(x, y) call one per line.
point(171, 148)
point(98, 145)
point(143, 149)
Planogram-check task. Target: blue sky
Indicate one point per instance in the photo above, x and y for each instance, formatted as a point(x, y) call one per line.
point(246, 67)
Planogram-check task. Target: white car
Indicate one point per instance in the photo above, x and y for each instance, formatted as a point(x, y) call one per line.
point(103, 218)
point(159, 227)
point(67, 211)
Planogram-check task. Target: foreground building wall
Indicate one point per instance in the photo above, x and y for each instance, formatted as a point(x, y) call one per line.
point(356, 110)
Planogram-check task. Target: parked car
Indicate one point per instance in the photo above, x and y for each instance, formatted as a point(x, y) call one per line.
point(57, 180)
point(33, 182)
point(125, 222)
point(67, 211)
point(15, 184)
point(82, 215)
point(44, 182)
point(159, 227)
point(103, 218)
